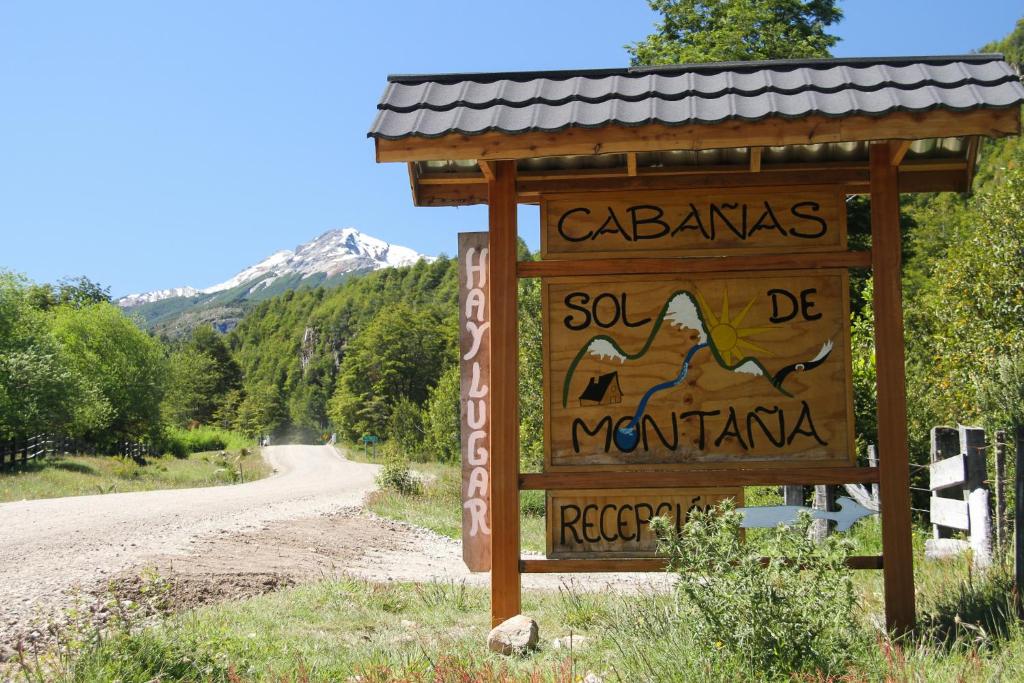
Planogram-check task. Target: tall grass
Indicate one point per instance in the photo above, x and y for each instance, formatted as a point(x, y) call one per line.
point(181, 442)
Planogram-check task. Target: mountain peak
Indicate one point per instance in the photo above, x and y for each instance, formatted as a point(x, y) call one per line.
point(335, 252)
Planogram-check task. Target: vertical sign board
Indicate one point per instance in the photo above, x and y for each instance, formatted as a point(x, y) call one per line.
point(475, 376)
point(733, 369)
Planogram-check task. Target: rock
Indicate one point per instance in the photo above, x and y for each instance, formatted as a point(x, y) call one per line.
point(514, 636)
point(574, 643)
point(592, 677)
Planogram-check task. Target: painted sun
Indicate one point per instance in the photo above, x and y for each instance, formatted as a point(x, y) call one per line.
point(728, 336)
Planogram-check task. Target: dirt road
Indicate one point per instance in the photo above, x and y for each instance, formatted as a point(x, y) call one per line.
point(304, 523)
point(49, 546)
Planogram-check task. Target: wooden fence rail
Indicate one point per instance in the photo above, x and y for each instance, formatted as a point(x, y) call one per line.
point(19, 452)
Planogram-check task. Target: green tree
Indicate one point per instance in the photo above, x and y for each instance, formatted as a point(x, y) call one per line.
point(191, 384)
point(694, 31)
point(126, 365)
point(974, 310)
point(262, 410)
point(443, 421)
point(227, 374)
point(400, 353)
point(40, 389)
point(406, 426)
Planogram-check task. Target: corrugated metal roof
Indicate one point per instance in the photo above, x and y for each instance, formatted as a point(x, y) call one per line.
point(438, 105)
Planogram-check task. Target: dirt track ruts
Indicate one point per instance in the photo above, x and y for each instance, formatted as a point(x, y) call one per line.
point(303, 523)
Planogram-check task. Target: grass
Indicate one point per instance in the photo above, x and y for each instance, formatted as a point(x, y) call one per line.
point(439, 506)
point(352, 630)
point(346, 630)
point(80, 475)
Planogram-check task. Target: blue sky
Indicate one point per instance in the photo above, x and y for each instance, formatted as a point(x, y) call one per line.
point(156, 144)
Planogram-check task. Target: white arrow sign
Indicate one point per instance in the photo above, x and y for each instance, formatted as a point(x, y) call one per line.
point(770, 517)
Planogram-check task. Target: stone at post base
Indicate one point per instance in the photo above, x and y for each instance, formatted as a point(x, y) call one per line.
point(514, 636)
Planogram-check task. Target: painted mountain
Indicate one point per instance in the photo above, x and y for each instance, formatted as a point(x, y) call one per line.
point(325, 261)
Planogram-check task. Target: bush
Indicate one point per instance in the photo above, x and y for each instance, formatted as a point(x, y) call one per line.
point(769, 621)
point(183, 442)
point(395, 474)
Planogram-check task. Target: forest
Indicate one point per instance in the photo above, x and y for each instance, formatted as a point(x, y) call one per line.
point(378, 354)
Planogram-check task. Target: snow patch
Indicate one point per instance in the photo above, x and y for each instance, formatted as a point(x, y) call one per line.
point(603, 348)
point(682, 312)
point(750, 368)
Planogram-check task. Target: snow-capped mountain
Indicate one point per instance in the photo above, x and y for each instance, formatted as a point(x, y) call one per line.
point(150, 297)
point(332, 254)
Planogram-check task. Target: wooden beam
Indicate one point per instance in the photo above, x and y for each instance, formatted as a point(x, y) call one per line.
point(971, 159)
point(899, 150)
point(775, 131)
point(504, 398)
point(914, 177)
point(630, 163)
point(654, 479)
point(894, 459)
point(701, 264)
point(649, 565)
point(487, 169)
point(755, 159)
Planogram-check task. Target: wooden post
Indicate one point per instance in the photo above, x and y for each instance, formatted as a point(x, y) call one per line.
point(793, 495)
point(873, 462)
point(1000, 493)
point(824, 499)
point(504, 405)
point(975, 494)
point(1018, 516)
point(894, 464)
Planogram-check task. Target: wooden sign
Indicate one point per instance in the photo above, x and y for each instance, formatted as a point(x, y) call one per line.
point(694, 222)
point(615, 524)
point(674, 371)
point(475, 375)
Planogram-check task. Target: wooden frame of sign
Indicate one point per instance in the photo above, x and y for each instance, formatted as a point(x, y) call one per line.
point(653, 237)
point(730, 263)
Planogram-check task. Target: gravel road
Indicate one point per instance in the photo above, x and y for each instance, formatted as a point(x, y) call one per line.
point(50, 546)
point(304, 523)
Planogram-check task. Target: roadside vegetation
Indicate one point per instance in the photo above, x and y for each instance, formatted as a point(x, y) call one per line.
point(84, 475)
point(729, 619)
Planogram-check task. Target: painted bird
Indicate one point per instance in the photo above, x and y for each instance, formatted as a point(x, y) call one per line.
point(785, 372)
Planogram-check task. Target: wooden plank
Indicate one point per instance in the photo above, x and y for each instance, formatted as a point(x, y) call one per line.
point(949, 512)
point(696, 264)
point(899, 150)
point(755, 159)
point(654, 478)
point(631, 163)
point(599, 523)
point(894, 460)
point(504, 406)
point(1018, 517)
point(650, 565)
point(746, 370)
point(446, 190)
point(949, 472)
point(674, 223)
point(475, 382)
point(487, 170)
point(769, 132)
